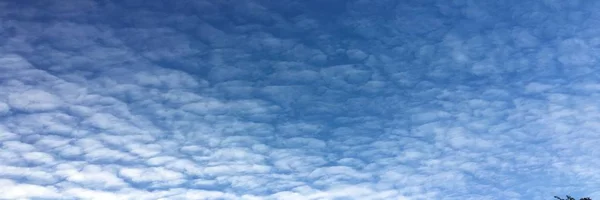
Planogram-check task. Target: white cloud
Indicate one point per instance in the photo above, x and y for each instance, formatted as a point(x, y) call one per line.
point(156, 174)
point(13, 62)
point(38, 158)
point(24, 191)
point(233, 169)
point(34, 101)
point(92, 175)
point(4, 108)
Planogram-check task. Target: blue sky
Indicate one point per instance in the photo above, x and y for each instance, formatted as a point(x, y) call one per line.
point(299, 99)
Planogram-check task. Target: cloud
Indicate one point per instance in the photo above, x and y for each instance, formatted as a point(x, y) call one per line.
point(297, 100)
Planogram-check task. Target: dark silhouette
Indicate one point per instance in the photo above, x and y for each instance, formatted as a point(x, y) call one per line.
point(571, 198)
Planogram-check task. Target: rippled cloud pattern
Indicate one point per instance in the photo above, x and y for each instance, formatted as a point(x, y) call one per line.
point(299, 99)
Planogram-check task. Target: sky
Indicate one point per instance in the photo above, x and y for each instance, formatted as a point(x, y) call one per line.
point(299, 99)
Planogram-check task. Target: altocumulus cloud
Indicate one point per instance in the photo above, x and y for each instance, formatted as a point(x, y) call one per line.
point(296, 99)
